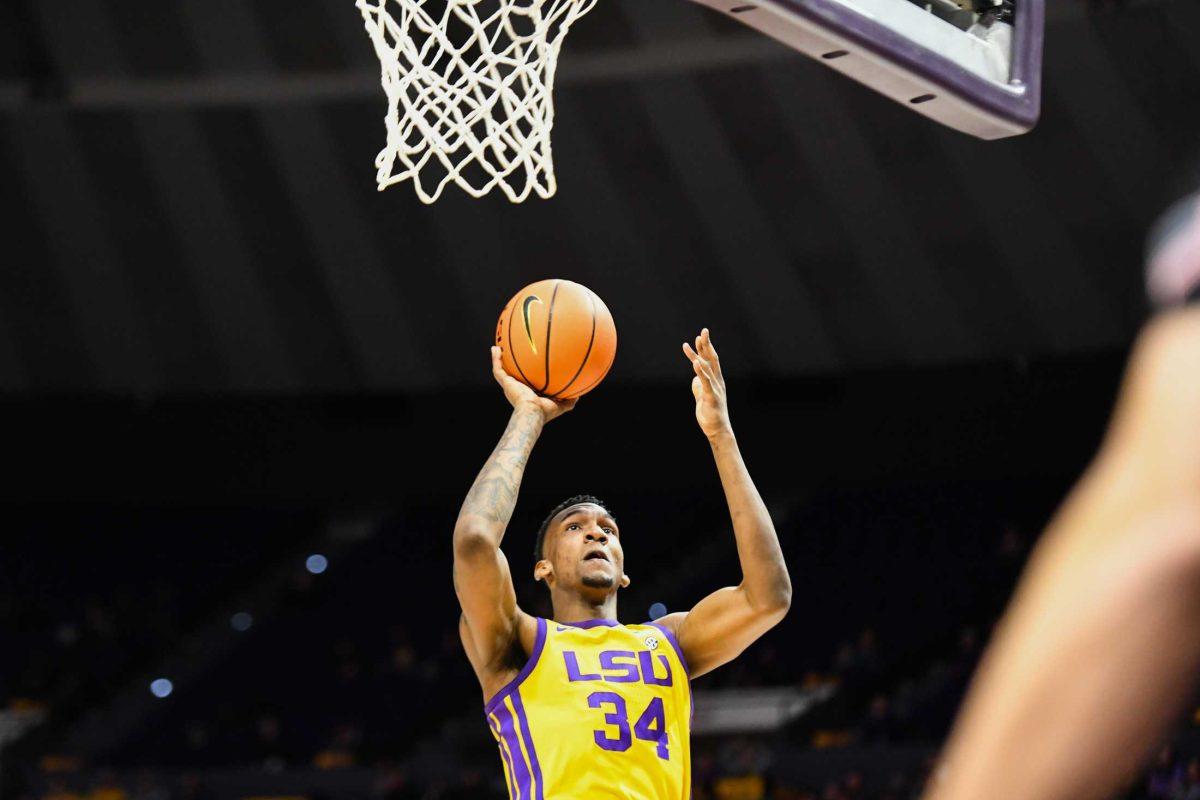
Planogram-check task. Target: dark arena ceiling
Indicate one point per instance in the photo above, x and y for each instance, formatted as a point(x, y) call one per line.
point(189, 202)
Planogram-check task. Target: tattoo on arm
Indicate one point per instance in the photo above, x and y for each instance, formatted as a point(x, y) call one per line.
point(493, 496)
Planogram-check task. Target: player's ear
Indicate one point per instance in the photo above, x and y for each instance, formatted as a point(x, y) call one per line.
point(543, 570)
point(624, 581)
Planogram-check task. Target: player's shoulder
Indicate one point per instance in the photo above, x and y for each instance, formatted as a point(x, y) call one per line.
point(512, 659)
point(527, 632)
point(670, 622)
point(530, 630)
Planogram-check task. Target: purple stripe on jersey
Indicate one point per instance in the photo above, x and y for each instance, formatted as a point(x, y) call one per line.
point(527, 737)
point(508, 774)
point(539, 643)
point(679, 652)
point(674, 643)
point(508, 730)
point(593, 623)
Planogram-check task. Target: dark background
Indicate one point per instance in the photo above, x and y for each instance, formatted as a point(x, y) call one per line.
point(222, 350)
point(190, 203)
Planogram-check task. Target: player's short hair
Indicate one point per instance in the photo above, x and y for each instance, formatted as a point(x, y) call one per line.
point(540, 546)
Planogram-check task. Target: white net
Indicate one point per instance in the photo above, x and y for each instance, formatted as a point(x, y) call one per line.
point(470, 85)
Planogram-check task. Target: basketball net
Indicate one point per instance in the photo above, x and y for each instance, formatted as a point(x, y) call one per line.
point(470, 86)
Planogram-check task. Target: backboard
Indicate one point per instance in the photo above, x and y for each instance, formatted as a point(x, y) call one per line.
point(972, 65)
point(470, 83)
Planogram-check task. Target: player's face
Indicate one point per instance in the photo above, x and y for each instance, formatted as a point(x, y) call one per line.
point(585, 548)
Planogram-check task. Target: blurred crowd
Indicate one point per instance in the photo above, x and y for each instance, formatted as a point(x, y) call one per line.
point(745, 773)
point(1172, 776)
point(54, 647)
point(728, 769)
point(358, 674)
point(374, 695)
point(378, 682)
point(80, 613)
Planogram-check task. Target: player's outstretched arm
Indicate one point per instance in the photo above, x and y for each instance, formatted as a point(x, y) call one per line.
point(728, 621)
point(482, 579)
point(1099, 650)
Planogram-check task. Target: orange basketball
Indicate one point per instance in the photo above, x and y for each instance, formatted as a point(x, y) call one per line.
point(558, 338)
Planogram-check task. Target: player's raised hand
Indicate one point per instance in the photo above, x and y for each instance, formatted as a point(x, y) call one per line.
point(518, 394)
point(712, 409)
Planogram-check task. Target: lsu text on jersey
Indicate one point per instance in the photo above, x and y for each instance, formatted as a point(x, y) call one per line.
point(601, 711)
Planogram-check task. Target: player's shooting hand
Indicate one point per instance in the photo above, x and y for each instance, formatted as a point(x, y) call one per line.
point(520, 395)
point(712, 410)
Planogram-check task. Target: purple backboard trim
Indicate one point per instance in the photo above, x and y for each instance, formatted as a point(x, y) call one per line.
point(1018, 104)
point(527, 738)
point(539, 643)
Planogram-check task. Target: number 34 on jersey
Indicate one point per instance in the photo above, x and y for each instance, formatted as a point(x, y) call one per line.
point(600, 710)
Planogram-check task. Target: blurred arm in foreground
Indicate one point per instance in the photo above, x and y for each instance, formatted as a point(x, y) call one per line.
point(1100, 647)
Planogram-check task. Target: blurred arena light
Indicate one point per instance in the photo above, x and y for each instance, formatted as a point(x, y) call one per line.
point(241, 621)
point(316, 564)
point(657, 610)
point(161, 687)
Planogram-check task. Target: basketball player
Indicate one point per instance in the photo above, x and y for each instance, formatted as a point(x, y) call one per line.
point(582, 706)
point(1100, 648)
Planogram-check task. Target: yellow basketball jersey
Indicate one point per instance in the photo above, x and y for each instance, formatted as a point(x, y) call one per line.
point(601, 710)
